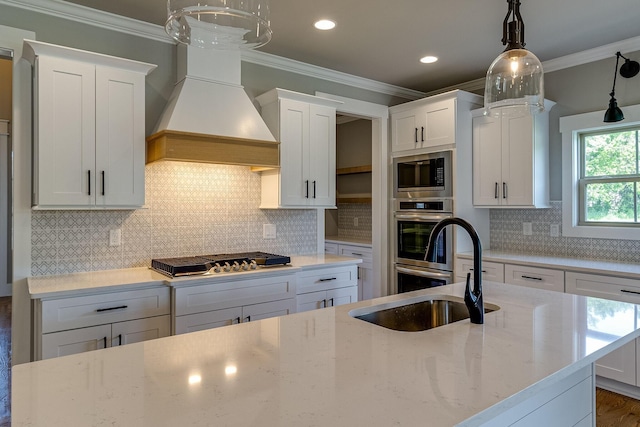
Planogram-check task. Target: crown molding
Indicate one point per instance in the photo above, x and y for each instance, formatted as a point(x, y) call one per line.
point(126, 25)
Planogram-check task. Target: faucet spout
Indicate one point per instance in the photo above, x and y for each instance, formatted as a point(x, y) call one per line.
point(472, 298)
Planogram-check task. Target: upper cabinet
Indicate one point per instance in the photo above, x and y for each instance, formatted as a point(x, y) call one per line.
point(429, 122)
point(305, 125)
point(89, 128)
point(511, 159)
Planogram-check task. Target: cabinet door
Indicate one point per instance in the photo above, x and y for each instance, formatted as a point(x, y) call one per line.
point(322, 155)
point(207, 320)
point(311, 301)
point(487, 160)
point(64, 149)
point(75, 341)
point(517, 159)
point(404, 130)
point(439, 123)
point(120, 142)
point(341, 296)
point(294, 136)
point(140, 330)
point(265, 310)
point(619, 365)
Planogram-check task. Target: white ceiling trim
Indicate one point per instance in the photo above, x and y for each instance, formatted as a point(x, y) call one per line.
point(123, 24)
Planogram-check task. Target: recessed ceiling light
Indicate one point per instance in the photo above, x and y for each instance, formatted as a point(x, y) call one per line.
point(325, 24)
point(428, 59)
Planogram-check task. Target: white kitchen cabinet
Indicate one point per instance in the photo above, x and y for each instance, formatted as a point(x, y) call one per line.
point(331, 248)
point(622, 364)
point(221, 303)
point(80, 340)
point(73, 324)
point(429, 122)
point(511, 159)
point(326, 287)
point(365, 270)
point(534, 277)
point(305, 125)
point(491, 271)
point(89, 132)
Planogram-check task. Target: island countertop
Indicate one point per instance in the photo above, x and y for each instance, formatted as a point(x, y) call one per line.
point(323, 367)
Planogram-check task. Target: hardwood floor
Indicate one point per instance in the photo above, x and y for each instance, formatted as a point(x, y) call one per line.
point(613, 410)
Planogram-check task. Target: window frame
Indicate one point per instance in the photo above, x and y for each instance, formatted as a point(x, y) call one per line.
point(571, 128)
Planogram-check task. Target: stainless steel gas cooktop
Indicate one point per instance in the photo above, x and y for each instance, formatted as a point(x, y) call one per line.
point(217, 263)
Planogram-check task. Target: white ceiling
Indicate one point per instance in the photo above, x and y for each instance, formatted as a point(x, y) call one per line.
point(383, 40)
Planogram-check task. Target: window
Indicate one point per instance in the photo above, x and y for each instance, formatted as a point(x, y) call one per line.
point(601, 176)
point(609, 178)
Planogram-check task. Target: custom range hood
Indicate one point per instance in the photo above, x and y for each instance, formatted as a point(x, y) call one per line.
point(209, 117)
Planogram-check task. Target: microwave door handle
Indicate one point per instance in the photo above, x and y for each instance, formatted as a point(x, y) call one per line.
point(423, 273)
point(419, 218)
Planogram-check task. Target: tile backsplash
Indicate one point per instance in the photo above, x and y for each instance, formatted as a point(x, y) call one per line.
point(347, 214)
point(506, 235)
point(191, 209)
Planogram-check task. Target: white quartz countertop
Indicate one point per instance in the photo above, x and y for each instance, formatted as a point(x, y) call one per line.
point(135, 278)
point(609, 268)
point(323, 367)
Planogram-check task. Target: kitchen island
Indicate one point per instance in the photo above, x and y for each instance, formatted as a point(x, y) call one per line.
point(324, 367)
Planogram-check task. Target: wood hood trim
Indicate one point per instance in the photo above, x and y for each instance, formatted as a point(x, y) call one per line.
point(196, 147)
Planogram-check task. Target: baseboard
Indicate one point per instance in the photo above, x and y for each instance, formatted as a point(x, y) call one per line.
point(618, 387)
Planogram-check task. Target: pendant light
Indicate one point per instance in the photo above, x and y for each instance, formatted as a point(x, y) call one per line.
point(219, 24)
point(515, 78)
point(629, 69)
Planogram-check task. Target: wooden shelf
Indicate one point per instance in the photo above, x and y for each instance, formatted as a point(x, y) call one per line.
point(353, 170)
point(363, 200)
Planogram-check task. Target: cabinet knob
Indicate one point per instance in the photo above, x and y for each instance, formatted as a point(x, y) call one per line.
point(504, 190)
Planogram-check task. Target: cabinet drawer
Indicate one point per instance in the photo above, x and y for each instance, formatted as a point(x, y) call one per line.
point(79, 312)
point(216, 296)
point(331, 248)
point(366, 254)
point(615, 288)
point(323, 279)
point(491, 271)
point(534, 277)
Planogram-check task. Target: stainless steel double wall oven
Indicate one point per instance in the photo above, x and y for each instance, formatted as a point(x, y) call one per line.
point(423, 197)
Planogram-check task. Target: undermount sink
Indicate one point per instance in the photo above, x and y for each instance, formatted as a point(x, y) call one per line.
point(417, 314)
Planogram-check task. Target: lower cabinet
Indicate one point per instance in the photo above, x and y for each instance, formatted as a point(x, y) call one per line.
point(491, 271)
point(365, 270)
point(534, 277)
point(64, 343)
point(64, 326)
point(205, 306)
point(326, 287)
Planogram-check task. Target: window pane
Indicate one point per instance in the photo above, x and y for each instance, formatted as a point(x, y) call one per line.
point(610, 154)
point(610, 202)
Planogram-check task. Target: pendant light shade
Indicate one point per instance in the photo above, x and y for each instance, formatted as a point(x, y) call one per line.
point(219, 24)
point(515, 78)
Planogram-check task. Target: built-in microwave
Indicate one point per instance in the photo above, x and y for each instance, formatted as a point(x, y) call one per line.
point(424, 175)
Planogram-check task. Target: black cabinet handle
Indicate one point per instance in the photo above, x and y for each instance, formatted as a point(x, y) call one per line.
point(416, 135)
point(331, 300)
point(306, 183)
point(496, 191)
point(247, 319)
point(89, 182)
point(100, 310)
point(104, 342)
point(422, 133)
point(484, 271)
point(328, 280)
point(237, 319)
point(630, 292)
point(103, 183)
point(120, 339)
point(314, 189)
point(504, 190)
point(531, 277)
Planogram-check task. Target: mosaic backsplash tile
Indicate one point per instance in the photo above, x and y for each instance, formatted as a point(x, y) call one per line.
point(347, 212)
point(191, 209)
point(506, 235)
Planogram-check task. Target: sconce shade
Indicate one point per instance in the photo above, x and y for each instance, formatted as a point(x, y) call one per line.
point(629, 69)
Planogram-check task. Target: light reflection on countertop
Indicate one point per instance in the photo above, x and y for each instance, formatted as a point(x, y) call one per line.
point(325, 368)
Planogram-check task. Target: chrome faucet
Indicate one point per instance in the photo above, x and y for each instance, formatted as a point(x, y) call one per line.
point(472, 299)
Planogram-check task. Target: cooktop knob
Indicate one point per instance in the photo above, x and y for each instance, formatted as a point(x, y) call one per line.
point(253, 265)
point(235, 266)
point(245, 265)
point(226, 267)
point(217, 268)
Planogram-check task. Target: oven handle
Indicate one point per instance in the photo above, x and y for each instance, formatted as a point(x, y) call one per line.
point(423, 217)
point(423, 273)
